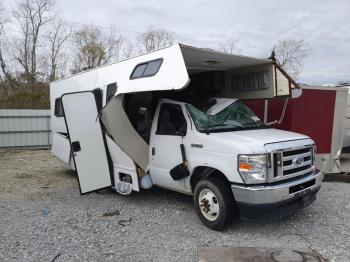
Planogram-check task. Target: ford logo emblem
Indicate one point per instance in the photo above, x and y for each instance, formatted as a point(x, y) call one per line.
point(298, 161)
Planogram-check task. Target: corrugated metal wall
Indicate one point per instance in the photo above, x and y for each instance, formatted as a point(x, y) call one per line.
point(25, 128)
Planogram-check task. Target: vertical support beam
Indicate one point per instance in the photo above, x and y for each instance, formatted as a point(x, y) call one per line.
point(266, 110)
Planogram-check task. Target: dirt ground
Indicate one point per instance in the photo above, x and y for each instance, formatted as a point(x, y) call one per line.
point(43, 216)
point(30, 174)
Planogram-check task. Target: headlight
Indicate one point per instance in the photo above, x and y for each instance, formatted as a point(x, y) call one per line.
point(253, 168)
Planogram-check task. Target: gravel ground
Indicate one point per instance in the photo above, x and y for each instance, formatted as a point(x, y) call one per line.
point(42, 216)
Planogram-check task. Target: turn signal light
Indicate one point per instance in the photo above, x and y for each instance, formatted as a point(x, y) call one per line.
point(245, 166)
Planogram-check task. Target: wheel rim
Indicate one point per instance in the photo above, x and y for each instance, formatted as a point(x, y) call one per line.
point(208, 204)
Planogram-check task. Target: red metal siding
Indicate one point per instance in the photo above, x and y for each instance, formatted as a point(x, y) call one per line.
point(311, 114)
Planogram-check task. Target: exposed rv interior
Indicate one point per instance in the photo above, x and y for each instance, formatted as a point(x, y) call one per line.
point(211, 74)
point(203, 86)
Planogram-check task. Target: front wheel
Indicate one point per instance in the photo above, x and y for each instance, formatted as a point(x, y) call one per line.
point(214, 203)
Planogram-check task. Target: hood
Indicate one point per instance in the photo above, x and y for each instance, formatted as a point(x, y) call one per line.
point(256, 139)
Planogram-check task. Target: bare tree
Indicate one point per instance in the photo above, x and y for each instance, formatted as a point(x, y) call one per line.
point(128, 49)
point(7, 79)
point(290, 54)
point(154, 39)
point(58, 34)
point(230, 46)
point(94, 47)
point(4, 75)
point(3, 17)
point(31, 16)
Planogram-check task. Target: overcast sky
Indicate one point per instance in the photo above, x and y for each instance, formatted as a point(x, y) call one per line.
point(256, 24)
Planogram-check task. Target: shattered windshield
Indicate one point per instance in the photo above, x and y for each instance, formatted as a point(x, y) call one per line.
point(236, 116)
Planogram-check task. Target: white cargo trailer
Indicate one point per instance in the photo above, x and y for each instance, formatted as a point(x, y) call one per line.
point(175, 118)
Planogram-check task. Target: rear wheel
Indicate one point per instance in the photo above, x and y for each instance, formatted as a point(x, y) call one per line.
point(214, 203)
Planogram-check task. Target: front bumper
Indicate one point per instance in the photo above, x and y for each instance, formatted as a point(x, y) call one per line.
point(278, 199)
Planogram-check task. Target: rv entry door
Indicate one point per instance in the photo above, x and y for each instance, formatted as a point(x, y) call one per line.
point(87, 141)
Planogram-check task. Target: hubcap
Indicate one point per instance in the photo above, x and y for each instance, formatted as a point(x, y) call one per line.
point(208, 204)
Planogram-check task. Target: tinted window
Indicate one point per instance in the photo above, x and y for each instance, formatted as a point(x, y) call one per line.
point(138, 72)
point(171, 120)
point(152, 68)
point(146, 69)
point(111, 90)
point(58, 107)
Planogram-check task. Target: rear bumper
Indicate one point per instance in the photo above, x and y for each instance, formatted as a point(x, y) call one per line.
point(277, 200)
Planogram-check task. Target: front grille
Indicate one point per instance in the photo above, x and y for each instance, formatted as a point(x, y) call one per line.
point(296, 152)
point(292, 162)
point(296, 170)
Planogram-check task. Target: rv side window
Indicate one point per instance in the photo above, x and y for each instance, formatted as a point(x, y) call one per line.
point(58, 107)
point(171, 120)
point(111, 89)
point(146, 69)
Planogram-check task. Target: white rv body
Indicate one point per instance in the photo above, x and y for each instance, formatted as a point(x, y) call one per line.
point(188, 157)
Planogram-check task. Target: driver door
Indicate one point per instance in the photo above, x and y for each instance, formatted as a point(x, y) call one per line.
point(167, 135)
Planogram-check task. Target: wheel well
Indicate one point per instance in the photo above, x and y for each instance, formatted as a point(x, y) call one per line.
point(201, 172)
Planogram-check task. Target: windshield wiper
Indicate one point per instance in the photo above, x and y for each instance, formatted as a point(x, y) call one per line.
point(251, 125)
point(227, 128)
point(211, 126)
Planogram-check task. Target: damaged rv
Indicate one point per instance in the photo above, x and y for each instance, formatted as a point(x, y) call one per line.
point(176, 118)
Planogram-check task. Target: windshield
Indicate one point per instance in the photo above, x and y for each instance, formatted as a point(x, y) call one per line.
point(236, 116)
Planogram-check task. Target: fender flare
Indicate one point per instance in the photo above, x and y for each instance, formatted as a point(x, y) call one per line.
point(203, 171)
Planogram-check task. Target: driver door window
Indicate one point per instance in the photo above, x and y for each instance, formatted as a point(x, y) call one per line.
point(171, 121)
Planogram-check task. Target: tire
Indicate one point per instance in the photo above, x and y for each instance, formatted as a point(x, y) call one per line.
point(220, 212)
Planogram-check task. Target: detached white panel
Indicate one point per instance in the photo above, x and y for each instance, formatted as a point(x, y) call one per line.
point(87, 142)
point(118, 126)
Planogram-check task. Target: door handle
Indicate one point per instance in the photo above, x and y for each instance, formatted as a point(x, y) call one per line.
point(153, 151)
point(76, 146)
